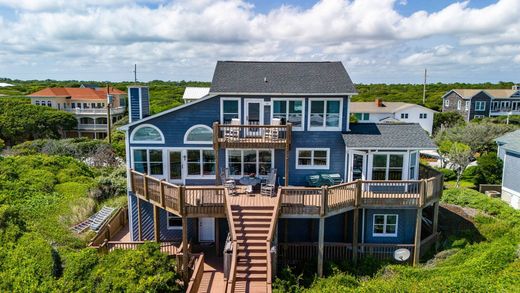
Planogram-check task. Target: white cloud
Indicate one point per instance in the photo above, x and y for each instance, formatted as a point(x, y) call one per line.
point(187, 36)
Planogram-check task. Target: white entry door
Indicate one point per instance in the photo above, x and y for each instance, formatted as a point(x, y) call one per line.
point(206, 229)
point(357, 166)
point(254, 112)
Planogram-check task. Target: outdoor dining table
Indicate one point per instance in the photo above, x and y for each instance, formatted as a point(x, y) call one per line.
point(248, 180)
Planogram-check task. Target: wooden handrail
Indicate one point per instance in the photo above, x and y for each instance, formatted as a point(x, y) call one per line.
point(229, 215)
point(276, 214)
point(230, 286)
point(196, 277)
point(269, 273)
point(220, 126)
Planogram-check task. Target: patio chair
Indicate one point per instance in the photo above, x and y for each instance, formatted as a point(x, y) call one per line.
point(232, 133)
point(273, 133)
point(228, 182)
point(269, 186)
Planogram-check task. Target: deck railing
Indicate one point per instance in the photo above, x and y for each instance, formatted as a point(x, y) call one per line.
point(252, 136)
point(196, 275)
point(383, 251)
point(205, 200)
point(168, 247)
point(231, 280)
point(114, 224)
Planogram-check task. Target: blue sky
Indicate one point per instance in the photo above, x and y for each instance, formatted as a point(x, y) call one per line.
point(379, 41)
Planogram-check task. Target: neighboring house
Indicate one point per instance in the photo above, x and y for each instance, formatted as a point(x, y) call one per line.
point(292, 117)
point(89, 105)
point(480, 103)
point(383, 112)
point(509, 152)
point(194, 93)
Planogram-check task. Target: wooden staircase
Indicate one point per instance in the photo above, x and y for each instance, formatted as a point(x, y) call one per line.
point(252, 225)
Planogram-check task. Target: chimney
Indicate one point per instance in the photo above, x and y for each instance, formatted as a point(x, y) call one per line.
point(138, 102)
point(379, 102)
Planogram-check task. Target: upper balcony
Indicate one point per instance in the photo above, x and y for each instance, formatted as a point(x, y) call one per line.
point(252, 136)
point(95, 111)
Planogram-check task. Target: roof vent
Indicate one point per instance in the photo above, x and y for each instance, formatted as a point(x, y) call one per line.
point(265, 79)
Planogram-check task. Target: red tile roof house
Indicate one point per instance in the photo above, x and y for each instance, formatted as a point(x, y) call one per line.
point(89, 105)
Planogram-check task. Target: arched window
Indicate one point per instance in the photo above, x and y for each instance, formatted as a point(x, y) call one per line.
point(147, 134)
point(199, 134)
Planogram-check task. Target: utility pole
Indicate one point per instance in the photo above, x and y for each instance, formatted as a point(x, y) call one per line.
point(109, 118)
point(424, 87)
point(135, 72)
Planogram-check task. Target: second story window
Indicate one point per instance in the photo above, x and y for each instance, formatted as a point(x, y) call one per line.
point(290, 111)
point(466, 107)
point(201, 163)
point(325, 114)
point(480, 106)
point(404, 115)
point(423, 115)
point(229, 109)
point(362, 116)
point(387, 167)
point(147, 134)
point(199, 134)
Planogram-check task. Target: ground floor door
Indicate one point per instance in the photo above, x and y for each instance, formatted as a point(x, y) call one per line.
point(357, 166)
point(206, 229)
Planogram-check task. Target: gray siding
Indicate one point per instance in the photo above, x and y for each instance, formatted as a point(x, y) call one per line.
point(482, 96)
point(454, 98)
point(511, 176)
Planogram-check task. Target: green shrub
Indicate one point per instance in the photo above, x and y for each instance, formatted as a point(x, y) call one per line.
point(448, 174)
point(489, 169)
point(469, 173)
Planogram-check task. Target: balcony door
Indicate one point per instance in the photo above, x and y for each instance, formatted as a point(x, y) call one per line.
point(357, 166)
point(176, 167)
point(254, 115)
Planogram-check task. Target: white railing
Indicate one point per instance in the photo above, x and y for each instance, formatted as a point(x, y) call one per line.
point(116, 110)
point(92, 126)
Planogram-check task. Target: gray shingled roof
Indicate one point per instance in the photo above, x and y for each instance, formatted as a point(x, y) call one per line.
point(388, 135)
point(281, 78)
point(510, 141)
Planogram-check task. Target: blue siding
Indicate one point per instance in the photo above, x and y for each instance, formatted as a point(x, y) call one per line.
point(147, 223)
point(511, 179)
point(298, 230)
point(145, 102)
point(405, 226)
point(133, 98)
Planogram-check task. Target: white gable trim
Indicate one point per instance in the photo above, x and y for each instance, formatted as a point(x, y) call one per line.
point(127, 126)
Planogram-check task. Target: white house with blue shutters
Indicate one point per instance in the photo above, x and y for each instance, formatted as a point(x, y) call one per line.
point(269, 155)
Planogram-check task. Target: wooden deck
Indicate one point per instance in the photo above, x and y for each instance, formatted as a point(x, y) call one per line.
point(252, 136)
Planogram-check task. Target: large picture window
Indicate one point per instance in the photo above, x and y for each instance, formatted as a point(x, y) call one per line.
point(312, 158)
point(480, 106)
point(290, 111)
point(325, 114)
point(387, 167)
point(385, 225)
point(229, 109)
point(246, 162)
point(148, 161)
point(201, 163)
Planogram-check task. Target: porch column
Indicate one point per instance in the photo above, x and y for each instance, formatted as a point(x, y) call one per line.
point(286, 181)
point(417, 241)
point(321, 236)
point(139, 220)
point(156, 225)
point(355, 233)
point(217, 236)
point(216, 148)
point(185, 253)
point(435, 217)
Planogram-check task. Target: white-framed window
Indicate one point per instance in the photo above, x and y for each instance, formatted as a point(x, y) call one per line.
point(147, 133)
point(199, 134)
point(49, 104)
point(404, 115)
point(243, 162)
point(200, 163)
point(412, 163)
point(313, 158)
point(514, 106)
point(423, 115)
point(148, 161)
point(387, 167)
point(173, 222)
point(459, 104)
point(290, 110)
point(37, 103)
point(480, 106)
point(362, 116)
point(325, 114)
point(468, 104)
point(385, 225)
point(446, 103)
point(229, 109)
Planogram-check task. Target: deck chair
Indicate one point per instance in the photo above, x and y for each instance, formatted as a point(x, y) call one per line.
point(228, 182)
point(269, 186)
point(233, 133)
point(273, 133)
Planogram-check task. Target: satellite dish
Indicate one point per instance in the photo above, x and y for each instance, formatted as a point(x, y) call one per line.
point(402, 254)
